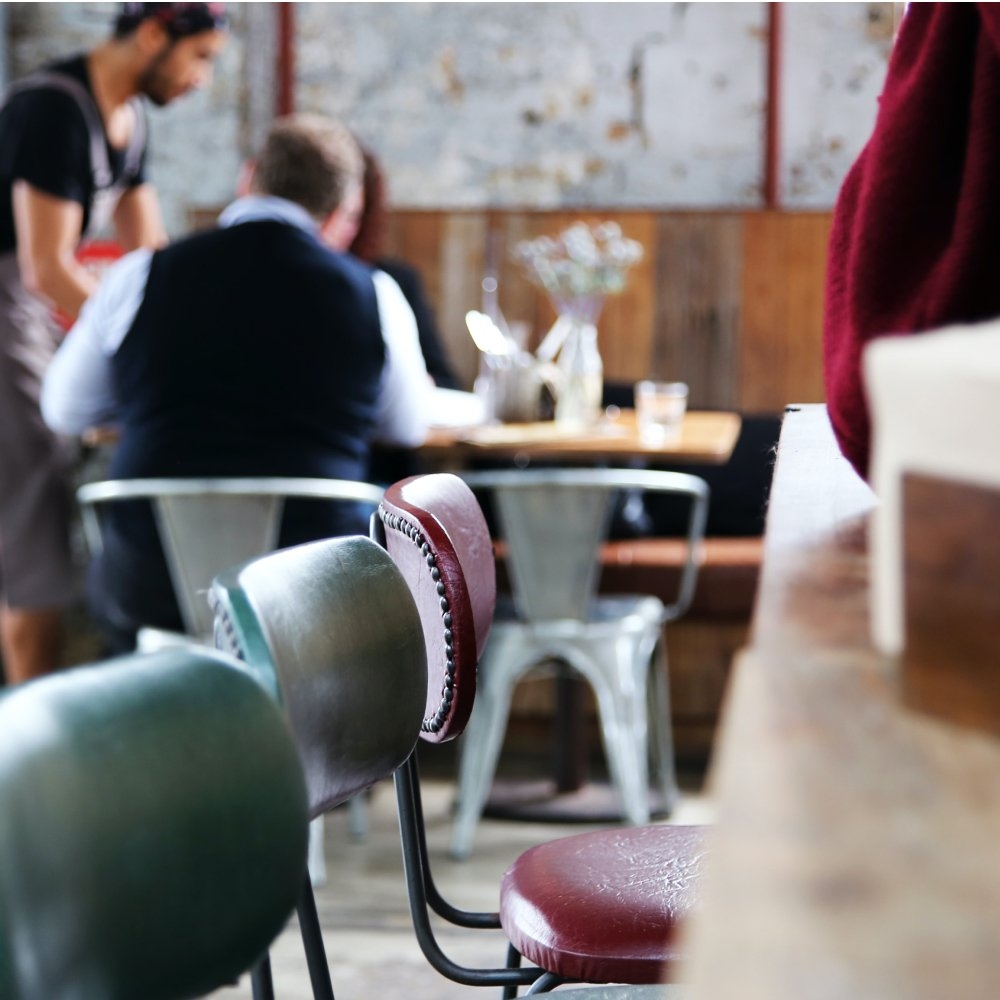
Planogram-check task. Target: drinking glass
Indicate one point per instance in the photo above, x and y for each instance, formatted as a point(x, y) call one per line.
point(659, 410)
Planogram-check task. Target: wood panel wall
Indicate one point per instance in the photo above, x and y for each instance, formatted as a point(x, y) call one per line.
point(729, 302)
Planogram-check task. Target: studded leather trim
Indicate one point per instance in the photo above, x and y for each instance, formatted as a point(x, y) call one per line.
point(224, 631)
point(402, 526)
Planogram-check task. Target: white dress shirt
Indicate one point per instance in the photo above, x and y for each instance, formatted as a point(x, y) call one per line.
point(78, 391)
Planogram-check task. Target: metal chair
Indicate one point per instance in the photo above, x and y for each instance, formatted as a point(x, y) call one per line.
point(312, 620)
point(206, 526)
point(600, 907)
point(330, 628)
point(553, 522)
point(333, 630)
point(434, 530)
point(152, 828)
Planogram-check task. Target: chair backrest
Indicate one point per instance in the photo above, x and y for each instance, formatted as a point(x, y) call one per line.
point(434, 530)
point(153, 828)
point(332, 629)
point(554, 521)
point(208, 525)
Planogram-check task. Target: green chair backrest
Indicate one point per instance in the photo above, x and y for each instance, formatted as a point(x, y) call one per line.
point(153, 828)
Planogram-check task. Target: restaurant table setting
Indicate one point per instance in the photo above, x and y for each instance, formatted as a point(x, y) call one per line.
point(577, 270)
point(550, 403)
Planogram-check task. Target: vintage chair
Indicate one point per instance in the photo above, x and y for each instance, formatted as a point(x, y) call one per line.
point(330, 628)
point(553, 523)
point(598, 907)
point(205, 527)
point(152, 828)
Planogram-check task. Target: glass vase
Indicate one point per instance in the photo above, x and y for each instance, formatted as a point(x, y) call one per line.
point(581, 381)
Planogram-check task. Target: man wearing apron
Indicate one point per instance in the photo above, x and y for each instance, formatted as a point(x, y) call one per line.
point(72, 157)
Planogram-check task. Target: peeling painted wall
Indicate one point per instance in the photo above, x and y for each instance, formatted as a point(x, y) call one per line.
point(834, 57)
point(546, 104)
point(549, 105)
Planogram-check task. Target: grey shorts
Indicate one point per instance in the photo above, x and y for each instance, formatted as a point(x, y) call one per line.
point(37, 569)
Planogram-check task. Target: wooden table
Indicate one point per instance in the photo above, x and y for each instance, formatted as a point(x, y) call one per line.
point(707, 437)
point(855, 854)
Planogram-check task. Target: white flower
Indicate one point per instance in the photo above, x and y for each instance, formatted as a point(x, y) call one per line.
point(583, 261)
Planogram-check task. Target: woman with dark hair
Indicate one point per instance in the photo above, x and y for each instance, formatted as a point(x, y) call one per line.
point(368, 246)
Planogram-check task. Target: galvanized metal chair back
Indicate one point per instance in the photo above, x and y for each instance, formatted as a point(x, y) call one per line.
point(553, 523)
point(208, 525)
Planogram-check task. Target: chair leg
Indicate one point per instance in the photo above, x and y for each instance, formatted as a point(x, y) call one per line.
point(480, 750)
point(418, 878)
point(622, 707)
point(661, 727)
point(513, 962)
point(317, 856)
point(357, 817)
point(261, 983)
point(312, 941)
point(545, 983)
point(411, 814)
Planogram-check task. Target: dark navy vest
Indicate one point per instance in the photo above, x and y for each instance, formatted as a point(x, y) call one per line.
point(255, 351)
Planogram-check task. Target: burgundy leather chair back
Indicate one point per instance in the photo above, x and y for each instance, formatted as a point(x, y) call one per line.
point(436, 534)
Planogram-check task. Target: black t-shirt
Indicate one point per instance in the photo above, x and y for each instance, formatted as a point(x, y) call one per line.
point(44, 140)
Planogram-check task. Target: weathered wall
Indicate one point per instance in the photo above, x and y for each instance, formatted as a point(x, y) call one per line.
point(834, 58)
point(547, 104)
point(634, 105)
point(551, 105)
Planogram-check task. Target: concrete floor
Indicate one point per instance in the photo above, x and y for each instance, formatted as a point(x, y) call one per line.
point(363, 909)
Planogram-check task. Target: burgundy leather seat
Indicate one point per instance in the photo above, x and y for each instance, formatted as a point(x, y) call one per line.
point(603, 907)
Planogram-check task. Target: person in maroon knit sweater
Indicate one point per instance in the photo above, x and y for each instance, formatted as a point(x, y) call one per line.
point(915, 243)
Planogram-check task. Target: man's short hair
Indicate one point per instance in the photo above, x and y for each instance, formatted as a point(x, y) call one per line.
point(310, 160)
point(178, 19)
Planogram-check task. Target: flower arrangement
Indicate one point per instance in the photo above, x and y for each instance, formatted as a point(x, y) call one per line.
point(580, 266)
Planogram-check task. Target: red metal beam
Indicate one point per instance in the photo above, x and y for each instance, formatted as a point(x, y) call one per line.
point(772, 126)
point(284, 98)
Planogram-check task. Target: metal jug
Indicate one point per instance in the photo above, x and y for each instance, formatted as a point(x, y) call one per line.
point(511, 387)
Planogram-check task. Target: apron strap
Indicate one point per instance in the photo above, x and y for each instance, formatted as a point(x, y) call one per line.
point(136, 145)
point(99, 163)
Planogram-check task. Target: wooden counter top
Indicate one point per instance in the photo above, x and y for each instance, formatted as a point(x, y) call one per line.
point(856, 854)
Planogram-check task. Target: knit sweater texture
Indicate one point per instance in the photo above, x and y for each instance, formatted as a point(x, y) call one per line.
point(915, 243)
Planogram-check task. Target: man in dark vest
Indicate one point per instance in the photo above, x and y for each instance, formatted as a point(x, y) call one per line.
point(250, 350)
